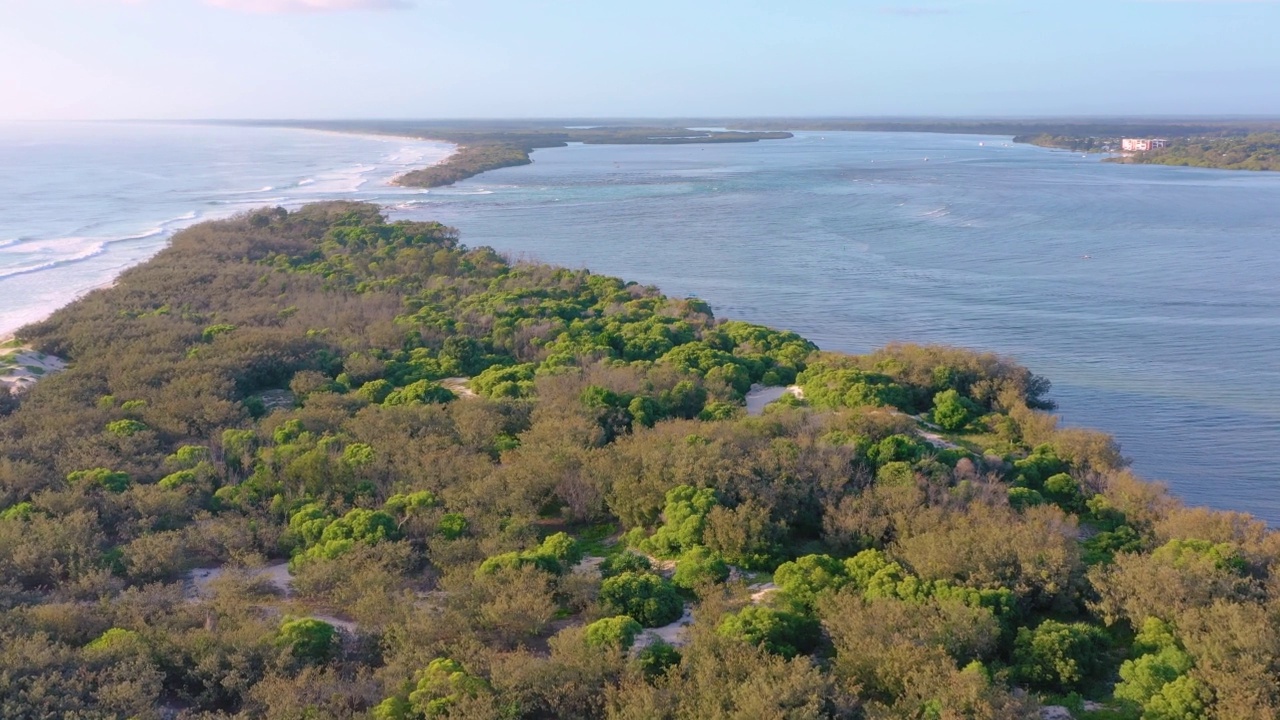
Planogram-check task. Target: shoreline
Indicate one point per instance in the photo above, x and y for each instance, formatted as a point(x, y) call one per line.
point(166, 229)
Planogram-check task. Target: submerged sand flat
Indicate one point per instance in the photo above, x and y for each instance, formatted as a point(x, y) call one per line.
point(22, 366)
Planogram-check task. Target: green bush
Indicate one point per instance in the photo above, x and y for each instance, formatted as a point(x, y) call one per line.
point(780, 632)
point(1058, 657)
point(648, 598)
point(309, 640)
point(619, 631)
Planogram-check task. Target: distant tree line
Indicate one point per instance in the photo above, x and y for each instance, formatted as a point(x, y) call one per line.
point(485, 146)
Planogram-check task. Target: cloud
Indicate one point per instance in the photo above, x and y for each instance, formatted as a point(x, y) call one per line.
point(302, 6)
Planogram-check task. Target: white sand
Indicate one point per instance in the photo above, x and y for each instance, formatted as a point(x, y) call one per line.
point(21, 366)
point(672, 634)
point(761, 395)
point(760, 592)
point(277, 575)
point(458, 386)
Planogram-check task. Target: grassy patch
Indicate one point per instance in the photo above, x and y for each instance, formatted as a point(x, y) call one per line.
point(595, 540)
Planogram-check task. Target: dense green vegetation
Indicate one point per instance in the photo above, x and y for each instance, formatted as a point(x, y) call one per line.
point(1256, 151)
point(468, 161)
point(288, 393)
point(484, 146)
point(1074, 143)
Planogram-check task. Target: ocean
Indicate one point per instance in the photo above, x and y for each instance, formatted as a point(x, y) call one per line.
point(1149, 295)
point(80, 202)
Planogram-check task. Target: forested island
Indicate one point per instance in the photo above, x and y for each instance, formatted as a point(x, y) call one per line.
point(490, 145)
point(315, 464)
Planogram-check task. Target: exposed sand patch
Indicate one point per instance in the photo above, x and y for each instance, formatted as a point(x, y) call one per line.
point(458, 386)
point(589, 565)
point(938, 441)
point(22, 366)
point(760, 592)
point(761, 395)
point(277, 575)
point(673, 634)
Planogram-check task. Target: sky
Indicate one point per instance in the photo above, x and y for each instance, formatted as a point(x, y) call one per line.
point(296, 59)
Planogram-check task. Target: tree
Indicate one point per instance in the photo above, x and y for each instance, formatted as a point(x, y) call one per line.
point(308, 640)
point(648, 598)
point(684, 516)
point(699, 566)
point(804, 579)
point(618, 631)
point(780, 632)
point(951, 411)
point(1057, 656)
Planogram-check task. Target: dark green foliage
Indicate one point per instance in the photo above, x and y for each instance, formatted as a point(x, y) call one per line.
point(656, 658)
point(648, 598)
point(624, 562)
point(483, 149)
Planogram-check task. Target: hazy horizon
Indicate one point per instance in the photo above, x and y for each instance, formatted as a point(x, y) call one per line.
point(490, 59)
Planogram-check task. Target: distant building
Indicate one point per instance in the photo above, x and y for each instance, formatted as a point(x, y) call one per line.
point(1142, 144)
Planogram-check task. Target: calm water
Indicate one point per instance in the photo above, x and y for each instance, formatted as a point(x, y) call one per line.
point(1167, 335)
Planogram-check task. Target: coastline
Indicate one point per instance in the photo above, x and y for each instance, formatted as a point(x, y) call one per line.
point(155, 235)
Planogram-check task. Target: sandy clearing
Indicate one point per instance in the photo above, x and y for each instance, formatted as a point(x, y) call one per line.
point(21, 366)
point(458, 386)
point(761, 395)
point(672, 634)
point(276, 574)
point(760, 592)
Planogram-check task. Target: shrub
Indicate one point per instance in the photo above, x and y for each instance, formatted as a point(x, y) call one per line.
point(309, 640)
point(780, 632)
point(619, 631)
point(648, 598)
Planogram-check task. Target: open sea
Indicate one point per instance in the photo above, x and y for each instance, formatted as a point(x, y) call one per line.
point(1149, 295)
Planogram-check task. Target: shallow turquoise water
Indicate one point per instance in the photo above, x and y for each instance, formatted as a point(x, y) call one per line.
point(1167, 335)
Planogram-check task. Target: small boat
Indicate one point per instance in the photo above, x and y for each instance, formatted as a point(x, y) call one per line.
point(1086, 257)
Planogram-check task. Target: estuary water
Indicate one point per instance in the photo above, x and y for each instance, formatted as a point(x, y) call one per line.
point(1149, 295)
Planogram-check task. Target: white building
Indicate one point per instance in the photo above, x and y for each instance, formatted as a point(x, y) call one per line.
point(1142, 144)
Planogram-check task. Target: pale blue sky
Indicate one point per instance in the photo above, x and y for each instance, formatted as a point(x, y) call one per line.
point(597, 58)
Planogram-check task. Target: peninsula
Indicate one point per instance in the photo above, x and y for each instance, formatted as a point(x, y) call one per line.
point(490, 145)
point(319, 464)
